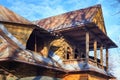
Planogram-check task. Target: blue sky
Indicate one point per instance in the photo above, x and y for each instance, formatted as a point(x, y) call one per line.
point(39, 9)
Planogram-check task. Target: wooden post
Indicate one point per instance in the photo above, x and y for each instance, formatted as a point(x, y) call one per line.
point(87, 46)
point(65, 52)
point(101, 55)
point(35, 46)
point(95, 51)
point(106, 59)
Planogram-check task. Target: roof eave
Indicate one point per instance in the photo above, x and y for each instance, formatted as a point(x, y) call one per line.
point(85, 25)
point(24, 24)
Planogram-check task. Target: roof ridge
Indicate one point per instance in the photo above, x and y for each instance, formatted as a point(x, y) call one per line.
point(97, 5)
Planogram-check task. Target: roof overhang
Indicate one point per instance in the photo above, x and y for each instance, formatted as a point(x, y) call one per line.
point(16, 23)
point(77, 35)
point(25, 69)
point(42, 33)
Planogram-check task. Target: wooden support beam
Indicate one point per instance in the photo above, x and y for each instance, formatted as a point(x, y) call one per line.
point(95, 51)
point(101, 55)
point(96, 36)
point(106, 59)
point(87, 46)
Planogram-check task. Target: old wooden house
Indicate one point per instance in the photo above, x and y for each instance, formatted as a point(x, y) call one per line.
point(58, 46)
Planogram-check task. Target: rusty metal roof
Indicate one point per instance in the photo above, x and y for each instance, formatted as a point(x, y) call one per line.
point(7, 15)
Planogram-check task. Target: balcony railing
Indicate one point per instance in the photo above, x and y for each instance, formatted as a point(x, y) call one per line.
point(91, 61)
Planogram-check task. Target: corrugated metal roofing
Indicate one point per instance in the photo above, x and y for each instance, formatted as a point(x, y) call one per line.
point(7, 15)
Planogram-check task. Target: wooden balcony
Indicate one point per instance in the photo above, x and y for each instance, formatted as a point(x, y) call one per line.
point(83, 60)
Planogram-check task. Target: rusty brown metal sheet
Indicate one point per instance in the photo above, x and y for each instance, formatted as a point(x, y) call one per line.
point(7, 15)
point(69, 19)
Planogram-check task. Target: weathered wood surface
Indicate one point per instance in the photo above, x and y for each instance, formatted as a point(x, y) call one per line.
point(21, 32)
point(84, 76)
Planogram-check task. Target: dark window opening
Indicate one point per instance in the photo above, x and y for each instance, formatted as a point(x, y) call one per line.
point(76, 56)
point(35, 43)
point(67, 56)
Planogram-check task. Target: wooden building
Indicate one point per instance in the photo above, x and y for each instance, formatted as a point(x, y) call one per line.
point(57, 46)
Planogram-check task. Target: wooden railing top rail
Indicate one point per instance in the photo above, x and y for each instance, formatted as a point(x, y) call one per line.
point(91, 61)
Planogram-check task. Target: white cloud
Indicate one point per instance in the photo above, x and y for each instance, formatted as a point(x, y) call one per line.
point(32, 11)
